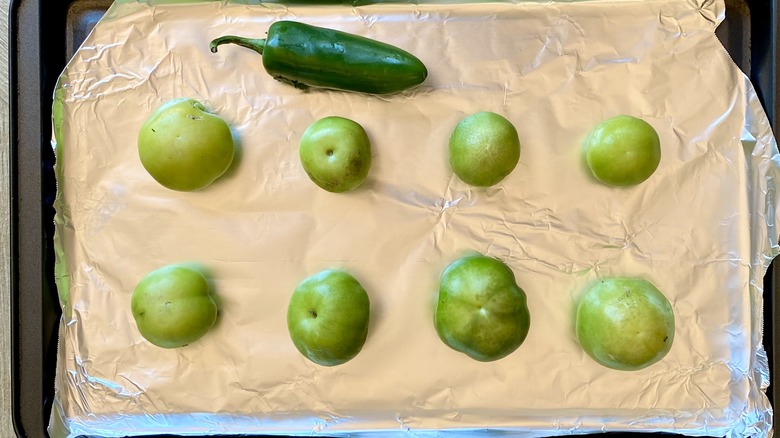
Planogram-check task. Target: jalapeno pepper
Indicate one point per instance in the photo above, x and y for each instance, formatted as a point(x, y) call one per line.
point(308, 56)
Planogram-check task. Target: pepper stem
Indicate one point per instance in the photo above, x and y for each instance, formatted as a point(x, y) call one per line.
point(250, 43)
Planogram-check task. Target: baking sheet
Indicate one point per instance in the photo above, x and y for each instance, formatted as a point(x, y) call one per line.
point(701, 229)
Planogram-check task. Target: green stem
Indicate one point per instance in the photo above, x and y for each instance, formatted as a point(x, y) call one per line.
point(250, 43)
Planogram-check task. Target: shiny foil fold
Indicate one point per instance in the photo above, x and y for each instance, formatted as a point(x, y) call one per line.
point(702, 228)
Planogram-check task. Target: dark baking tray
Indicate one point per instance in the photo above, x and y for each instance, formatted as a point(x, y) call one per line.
point(43, 36)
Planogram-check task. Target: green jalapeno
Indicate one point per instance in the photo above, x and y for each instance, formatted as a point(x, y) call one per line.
point(308, 56)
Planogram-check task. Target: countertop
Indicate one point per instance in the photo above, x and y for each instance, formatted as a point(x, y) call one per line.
point(6, 424)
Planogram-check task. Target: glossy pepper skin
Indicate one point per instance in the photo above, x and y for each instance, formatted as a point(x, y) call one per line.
point(309, 56)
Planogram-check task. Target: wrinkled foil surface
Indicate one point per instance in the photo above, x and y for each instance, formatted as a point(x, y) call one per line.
point(702, 228)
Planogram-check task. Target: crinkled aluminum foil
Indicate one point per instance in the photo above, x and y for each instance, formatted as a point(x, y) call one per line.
point(702, 228)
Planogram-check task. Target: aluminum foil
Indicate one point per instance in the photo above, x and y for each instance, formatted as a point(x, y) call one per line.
point(702, 228)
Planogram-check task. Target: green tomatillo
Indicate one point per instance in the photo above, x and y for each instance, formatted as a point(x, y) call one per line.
point(327, 317)
point(625, 323)
point(173, 307)
point(184, 147)
point(336, 154)
point(480, 310)
point(623, 151)
point(483, 149)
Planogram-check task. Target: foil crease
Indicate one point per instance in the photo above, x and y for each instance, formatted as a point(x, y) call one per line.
point(702, 228)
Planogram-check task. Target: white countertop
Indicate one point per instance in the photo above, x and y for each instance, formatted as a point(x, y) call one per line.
point(6, 423)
